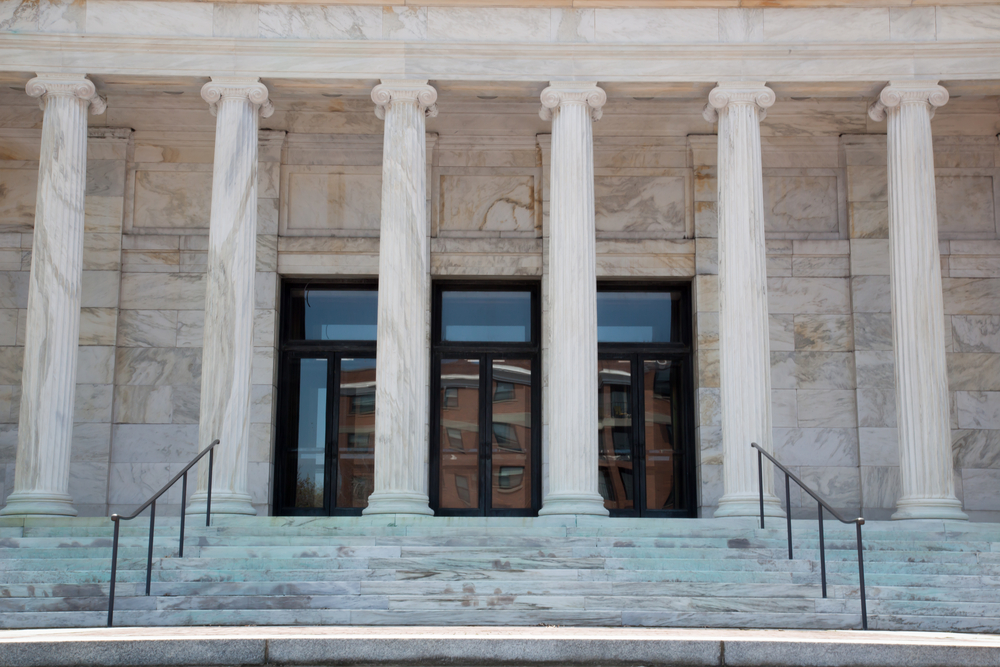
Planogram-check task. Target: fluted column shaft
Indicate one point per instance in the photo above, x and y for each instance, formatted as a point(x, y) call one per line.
point(922, 404)
point(402, 364)
point(48, 381)
point(744, 343)
point(227, 353)
point(573, 425)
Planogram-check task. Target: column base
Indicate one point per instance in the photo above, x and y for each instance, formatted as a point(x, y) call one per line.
point(33, 503)
point(748, 505)
point(223, 502)
point(397, 502)
point(929, 508)
point(573, 503)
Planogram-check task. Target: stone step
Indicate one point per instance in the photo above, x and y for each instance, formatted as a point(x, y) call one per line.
point(661, 547)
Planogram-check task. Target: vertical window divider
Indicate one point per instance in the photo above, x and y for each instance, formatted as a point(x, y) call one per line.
point(332, 424)
point(486, 432)
point(639, 431)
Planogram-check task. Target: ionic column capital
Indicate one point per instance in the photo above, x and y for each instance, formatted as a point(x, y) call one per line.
point(69, 85)
point(238, 88)
point(738, 92)
point(405, 91)
point(898, 93)
point(559, 93)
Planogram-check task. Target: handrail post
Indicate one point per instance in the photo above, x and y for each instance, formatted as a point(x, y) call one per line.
point(822, 554)
point(861, 579)
point(114, 572)
point(788, 513)
point(149, 555)
point(184, 492)
point(760, 485)
point(208, 498)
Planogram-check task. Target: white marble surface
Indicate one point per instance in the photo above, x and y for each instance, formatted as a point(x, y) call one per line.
point(572, 280)
point(922, 402)
point(320, 21)
point(229, 296)
point(108, 17)
point(402, 399)
point(743, 323)
point(48, 403)
point(487, 203)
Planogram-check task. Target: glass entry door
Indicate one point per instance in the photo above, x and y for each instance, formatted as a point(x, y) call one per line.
point(325, 446)
point(485, 415)
point(645, 442)
point(640, 426)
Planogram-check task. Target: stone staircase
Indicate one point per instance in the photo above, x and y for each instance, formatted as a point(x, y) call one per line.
point(562, 571)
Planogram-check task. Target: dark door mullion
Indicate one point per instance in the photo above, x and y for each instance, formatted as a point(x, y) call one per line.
point(332, 422)
point(486, 433)
point(639, 429)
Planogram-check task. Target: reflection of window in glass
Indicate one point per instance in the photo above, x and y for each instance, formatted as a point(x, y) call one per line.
point(455, 438)
point(619, 403)
point(504, 392)
point(363, 404)
point(462, 485)
point(622, 437)
point(604, 485)
point(359, 440)
point(511, 477)
point(505, 435)
point(661, 384)
point(626, 476)
point(451, 397)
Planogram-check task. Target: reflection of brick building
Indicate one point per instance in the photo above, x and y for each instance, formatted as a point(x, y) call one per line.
point(617, 415)
point(509, 435)
point(356, 435)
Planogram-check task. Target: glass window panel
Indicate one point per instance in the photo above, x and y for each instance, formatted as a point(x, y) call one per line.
point(615, 432)
point(309, 455)
point(356, 438)
point(511, 444)
point(638, 317)
point(325, 314)
point(661, 384)
point(494, 317)
point(459, 437)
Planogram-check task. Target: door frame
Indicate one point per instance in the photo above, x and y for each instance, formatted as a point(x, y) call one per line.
point(680, 352)
point(485, 352)
point(333, 351)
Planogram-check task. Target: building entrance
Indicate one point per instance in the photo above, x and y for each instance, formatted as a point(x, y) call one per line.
point(326, 415)
point(644, 401)
point(485, 413)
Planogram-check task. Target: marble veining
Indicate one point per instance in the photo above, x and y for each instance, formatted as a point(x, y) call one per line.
point(922, 405)
point(55, 287)
point(743, 323)
point(230, 291)
point(320, 21)
point(573, 447)
point(403, 361)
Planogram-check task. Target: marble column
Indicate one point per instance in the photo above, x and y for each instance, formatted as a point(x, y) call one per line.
point(227, 352)
point(744, 343)
point(922, 405)
point(402, 364)
point(48, 380)
point(573, 427)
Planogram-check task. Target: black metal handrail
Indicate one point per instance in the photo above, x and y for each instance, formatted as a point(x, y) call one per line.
point(821, 505)
point(151, 504)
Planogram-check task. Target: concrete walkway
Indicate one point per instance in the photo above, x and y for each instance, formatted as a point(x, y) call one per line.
point(463, 647)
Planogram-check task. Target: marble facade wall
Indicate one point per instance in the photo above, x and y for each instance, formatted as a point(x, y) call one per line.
point(825, 204)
